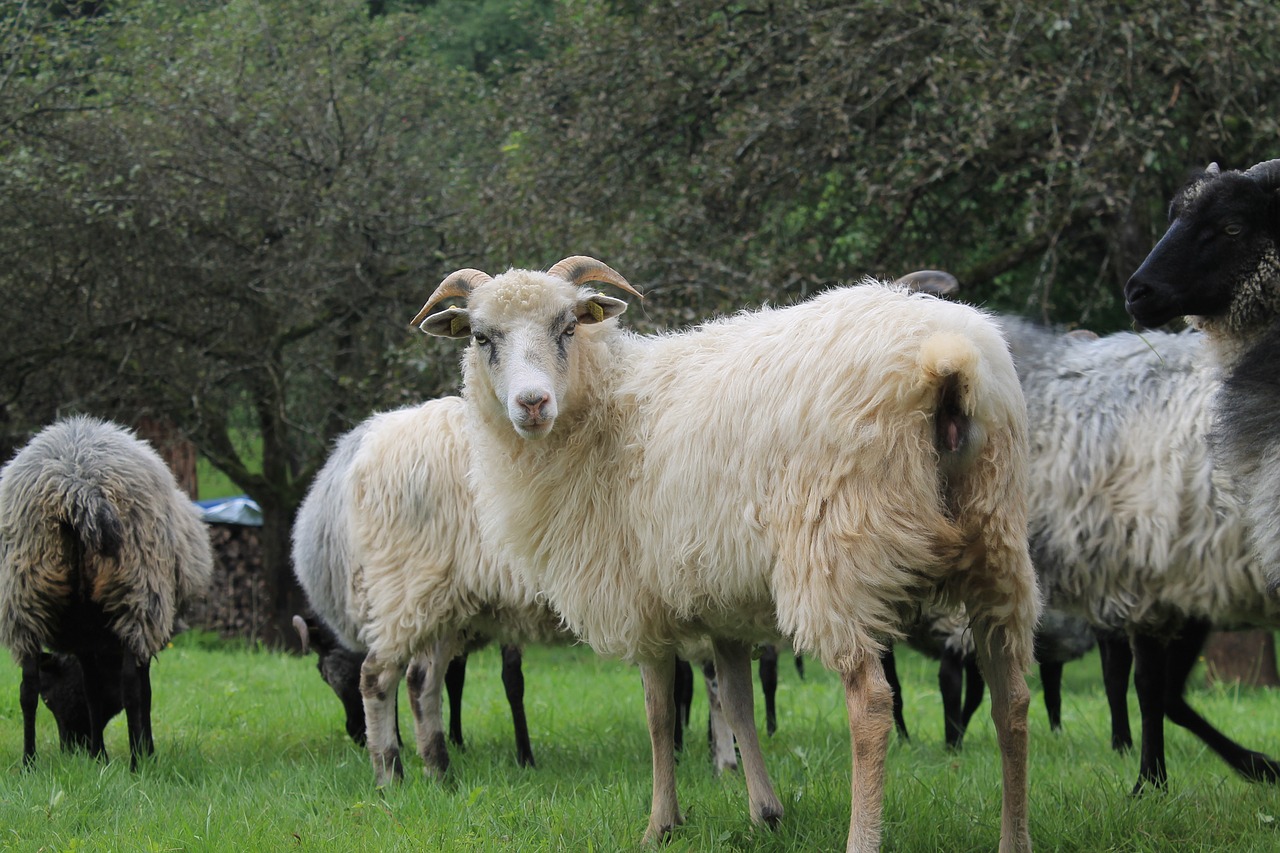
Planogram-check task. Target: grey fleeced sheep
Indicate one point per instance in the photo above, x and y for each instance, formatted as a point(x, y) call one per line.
point(730, 482)
point(99, 552)
point(1132, 525)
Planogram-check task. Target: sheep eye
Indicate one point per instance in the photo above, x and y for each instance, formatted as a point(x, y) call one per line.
point(481, 340)
point(570, 329)
point(1233, 230)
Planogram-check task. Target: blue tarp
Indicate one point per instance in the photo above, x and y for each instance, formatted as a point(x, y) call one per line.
point(241, 509)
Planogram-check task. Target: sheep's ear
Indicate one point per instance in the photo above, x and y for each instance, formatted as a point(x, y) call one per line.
point(449, 323)
point(597, 308)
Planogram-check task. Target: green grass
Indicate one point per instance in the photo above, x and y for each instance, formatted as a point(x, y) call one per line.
point(250, 755)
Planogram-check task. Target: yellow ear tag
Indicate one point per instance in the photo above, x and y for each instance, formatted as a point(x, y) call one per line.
point(457, 324)
point(596, 311)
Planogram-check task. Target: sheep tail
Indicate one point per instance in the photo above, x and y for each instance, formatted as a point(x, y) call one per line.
point(94, 521)
point(950, 364)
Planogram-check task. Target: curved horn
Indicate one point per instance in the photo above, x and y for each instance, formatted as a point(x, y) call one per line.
point(937, 282)
point(1267, 174)
point(457, 283)
point(579, 269)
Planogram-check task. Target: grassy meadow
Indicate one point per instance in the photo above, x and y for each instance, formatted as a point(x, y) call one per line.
point(250, 755)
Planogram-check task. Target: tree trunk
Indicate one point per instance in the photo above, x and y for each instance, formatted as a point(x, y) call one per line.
point(1243, 657)
point(288, 597)
point(177, 452)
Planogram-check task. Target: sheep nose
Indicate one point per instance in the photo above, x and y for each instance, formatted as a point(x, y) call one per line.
point(533, 401)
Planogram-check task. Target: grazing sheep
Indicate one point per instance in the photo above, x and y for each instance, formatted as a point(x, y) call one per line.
point(99, 552)
point(340, 669)
point(387, 549)
point(810, 471)
point(62, 689)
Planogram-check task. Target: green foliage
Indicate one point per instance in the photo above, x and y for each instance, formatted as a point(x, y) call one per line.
point(768, 149)
point(489, 37)
point(250, 754)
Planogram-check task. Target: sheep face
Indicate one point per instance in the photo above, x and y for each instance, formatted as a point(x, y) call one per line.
point(522, 326)
point(1217, 262)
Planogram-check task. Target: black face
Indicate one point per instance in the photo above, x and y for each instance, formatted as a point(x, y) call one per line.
point(1218, 228)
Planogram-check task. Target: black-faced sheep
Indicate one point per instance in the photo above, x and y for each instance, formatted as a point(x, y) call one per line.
point(730, 482)
point(99, 551)
point(1218, 265)
point(62, 690)
point(340, 668)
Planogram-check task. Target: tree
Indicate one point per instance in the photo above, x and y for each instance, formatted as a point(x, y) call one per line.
point(765, 149)
point(232, 233)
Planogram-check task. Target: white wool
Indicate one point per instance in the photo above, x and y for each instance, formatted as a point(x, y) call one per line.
point(771, 472)
point(387, 548)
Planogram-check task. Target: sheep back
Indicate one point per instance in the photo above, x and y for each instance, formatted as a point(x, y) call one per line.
point(1131, 524)
point(90, 513)
point(772, 471)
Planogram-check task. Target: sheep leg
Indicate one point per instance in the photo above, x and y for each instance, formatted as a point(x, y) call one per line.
point(28, 697)
point(719, 734)
point(890, 665)
point(769, 686)
point(135, 676)
point(513, 684)
point(1117, 663)
point(1149, 678)
point(1051, 681)
point(1010, 701)
point(1181, 656)
point(869, 702)
point(737, 700)
point(426, 689)
point(455, 679)
point(379, 681)
point(684, 699)
point(951, 685)
point(95, 691)
point(658, 678)
point(974, 687)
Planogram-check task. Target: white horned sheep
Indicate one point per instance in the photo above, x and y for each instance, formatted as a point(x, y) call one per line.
point(387, 550)
point(808, 472)
point(1132, 525)
point(99, 553)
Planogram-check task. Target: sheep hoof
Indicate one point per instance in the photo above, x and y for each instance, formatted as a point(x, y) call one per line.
point(771, 815)
point(660, 831)
point(435, 755)
point(1140, 787)
point(387, 768)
